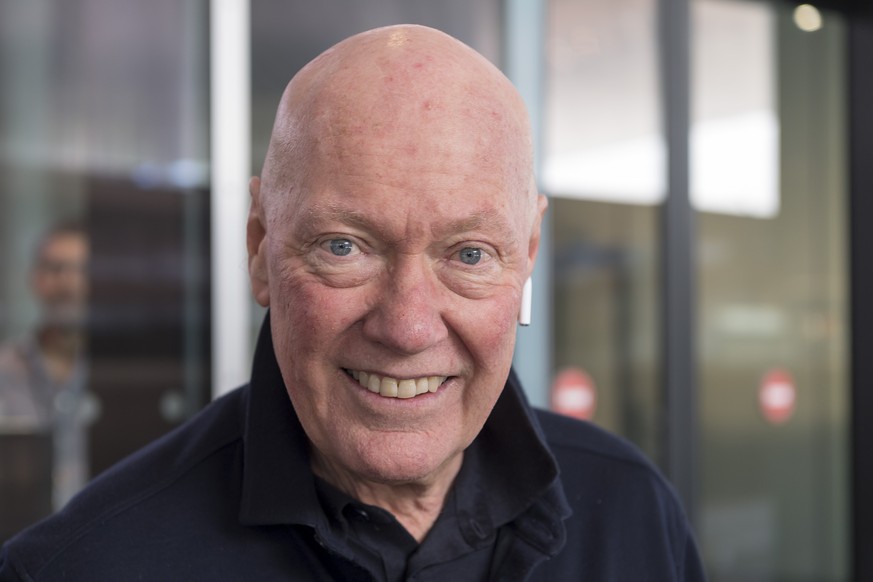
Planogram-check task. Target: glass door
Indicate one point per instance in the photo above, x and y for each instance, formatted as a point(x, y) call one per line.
point(768, 175)
point(603, 168)
point(768, 185)
point(104, 225)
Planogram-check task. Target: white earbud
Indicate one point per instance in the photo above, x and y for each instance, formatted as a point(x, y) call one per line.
point(524, 311)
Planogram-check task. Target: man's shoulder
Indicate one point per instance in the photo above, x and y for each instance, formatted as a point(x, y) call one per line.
point(621, 505)
point(151, 492)
point(593, 458)
point(569, 436)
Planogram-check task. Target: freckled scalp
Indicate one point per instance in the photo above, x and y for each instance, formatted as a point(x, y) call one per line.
point(415, 88)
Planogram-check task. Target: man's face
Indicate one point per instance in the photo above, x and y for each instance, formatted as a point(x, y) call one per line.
point(59, 279)
point(393, 266)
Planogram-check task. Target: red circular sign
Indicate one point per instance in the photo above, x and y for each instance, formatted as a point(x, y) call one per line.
point(574, 394)
point(777, 396)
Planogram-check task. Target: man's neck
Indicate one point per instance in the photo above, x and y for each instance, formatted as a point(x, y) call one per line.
point(416, 505)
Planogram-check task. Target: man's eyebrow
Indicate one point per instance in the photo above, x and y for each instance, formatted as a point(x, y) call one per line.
point(320, 212)
point(491, 220)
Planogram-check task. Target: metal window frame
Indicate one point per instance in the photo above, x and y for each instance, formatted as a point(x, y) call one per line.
point(524, 55)
point(860, 44)
point(230, 130)
point(678, 233)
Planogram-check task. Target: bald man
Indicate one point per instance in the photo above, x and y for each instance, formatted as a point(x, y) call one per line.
point(383, 435)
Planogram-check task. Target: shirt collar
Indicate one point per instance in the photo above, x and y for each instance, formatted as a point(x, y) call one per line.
point(278, 487)
point(508, 469)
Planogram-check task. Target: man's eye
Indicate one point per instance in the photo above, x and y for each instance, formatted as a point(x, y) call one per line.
point(341, 247)
point(470, 255)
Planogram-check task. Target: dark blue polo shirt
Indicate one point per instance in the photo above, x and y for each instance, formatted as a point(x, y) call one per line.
point(230, 496)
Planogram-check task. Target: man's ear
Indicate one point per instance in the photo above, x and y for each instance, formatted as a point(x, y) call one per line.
point(256, 236)
point(536, 229)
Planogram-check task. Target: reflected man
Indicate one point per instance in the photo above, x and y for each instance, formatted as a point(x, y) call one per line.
point(42, 377)
point(383, 435)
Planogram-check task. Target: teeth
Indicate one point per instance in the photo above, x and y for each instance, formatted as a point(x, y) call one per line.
point(405, 388)
point(394, 388)
point(388, 387)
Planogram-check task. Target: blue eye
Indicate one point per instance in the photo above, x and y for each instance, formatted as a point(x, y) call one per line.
point(341, 247)
point(470, 255)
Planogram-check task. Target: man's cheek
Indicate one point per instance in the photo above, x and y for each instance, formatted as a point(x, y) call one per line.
point(491, 326)
point(320, 309)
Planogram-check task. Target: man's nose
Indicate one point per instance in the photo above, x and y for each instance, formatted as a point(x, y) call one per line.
point(407, 314)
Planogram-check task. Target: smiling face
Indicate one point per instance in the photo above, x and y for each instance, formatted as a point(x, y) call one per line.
point(393, 257)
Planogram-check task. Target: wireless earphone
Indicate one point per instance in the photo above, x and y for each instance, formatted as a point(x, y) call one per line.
point(524, 311)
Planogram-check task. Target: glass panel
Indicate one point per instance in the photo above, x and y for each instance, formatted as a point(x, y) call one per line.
point(772, 292)
point(603, 127)
point(606, 294)
point(103, 159)
point(735, 129)
point(603, 167)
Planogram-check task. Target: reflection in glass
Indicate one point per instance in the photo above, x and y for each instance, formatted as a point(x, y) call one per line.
point(734, 123)
point(45, 408)
point(772, 284)
point(603, 146)
point(101, 107)
point(606, 295)
point(603, 136)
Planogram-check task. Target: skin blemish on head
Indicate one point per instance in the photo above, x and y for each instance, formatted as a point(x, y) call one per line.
point(425, 60)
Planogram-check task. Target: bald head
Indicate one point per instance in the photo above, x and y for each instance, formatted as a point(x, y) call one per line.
point(411, 90)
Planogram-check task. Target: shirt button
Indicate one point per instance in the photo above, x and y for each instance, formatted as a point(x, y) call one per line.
point(362, 514)
point(478, 529)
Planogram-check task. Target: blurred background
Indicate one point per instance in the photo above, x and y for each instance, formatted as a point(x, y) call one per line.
point(700, 291)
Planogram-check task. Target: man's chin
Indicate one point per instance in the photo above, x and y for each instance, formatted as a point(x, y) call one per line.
point(407, 465)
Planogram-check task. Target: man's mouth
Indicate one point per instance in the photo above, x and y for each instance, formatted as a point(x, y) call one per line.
point(393, 388)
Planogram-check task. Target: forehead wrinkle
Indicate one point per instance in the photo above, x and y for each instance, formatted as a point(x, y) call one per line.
point(320, 213)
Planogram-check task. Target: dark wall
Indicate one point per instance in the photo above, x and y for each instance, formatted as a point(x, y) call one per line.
point(149, 308)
